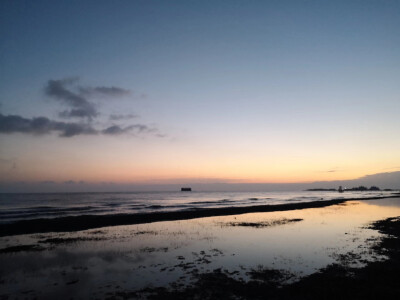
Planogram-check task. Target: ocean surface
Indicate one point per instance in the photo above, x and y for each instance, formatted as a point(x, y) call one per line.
point(14, 207)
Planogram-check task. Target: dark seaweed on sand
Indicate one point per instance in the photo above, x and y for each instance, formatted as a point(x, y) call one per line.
point(22, 248)
point(264, 224)
point(69, 240)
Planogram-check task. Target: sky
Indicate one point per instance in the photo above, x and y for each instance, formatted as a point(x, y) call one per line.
point(173, 92)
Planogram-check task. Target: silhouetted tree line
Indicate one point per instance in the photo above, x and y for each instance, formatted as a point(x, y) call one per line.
point(364, 188)
point(359, 188)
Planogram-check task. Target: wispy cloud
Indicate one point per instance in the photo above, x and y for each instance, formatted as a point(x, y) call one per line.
point(136, 129)
point(118, 117)
point(334, 170)
point(104, 91)
point(392, 168)
point(78, 100)
point(80, 106)
point(42, 125)
point(68, 92)
point(47, 182)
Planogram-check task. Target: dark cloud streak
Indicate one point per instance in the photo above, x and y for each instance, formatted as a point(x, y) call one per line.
point(135, 129)
point(122, 117)
point(81, 107)
point(66, 91)
point(42, 125)
point(104, 91)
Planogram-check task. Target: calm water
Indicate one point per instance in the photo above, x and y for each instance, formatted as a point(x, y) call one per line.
point(111, 261)
point(15, 207)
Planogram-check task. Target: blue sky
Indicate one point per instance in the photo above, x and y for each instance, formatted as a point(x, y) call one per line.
point(238, 90)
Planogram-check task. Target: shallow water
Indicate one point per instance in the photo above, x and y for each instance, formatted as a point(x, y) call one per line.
point(14, 207)
point(109, 260)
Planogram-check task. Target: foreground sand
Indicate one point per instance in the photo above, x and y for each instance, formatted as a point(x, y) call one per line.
point(308, 252)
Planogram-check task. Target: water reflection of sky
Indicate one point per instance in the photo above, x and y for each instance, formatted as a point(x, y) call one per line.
point(127, 258)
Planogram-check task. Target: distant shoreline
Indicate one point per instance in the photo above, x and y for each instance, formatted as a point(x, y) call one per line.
point(85, 222)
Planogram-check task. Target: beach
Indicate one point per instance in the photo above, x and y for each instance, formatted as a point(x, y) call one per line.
point(235, 254)
point(199, 150)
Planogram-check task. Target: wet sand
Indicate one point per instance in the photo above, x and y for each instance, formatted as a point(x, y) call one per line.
point(85, 222)
point(305, 253)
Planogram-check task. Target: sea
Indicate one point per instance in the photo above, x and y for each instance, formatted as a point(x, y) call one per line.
point(15, 207)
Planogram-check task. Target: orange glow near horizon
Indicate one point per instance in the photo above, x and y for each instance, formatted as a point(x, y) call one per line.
point(131, 173)
point(129, 161)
